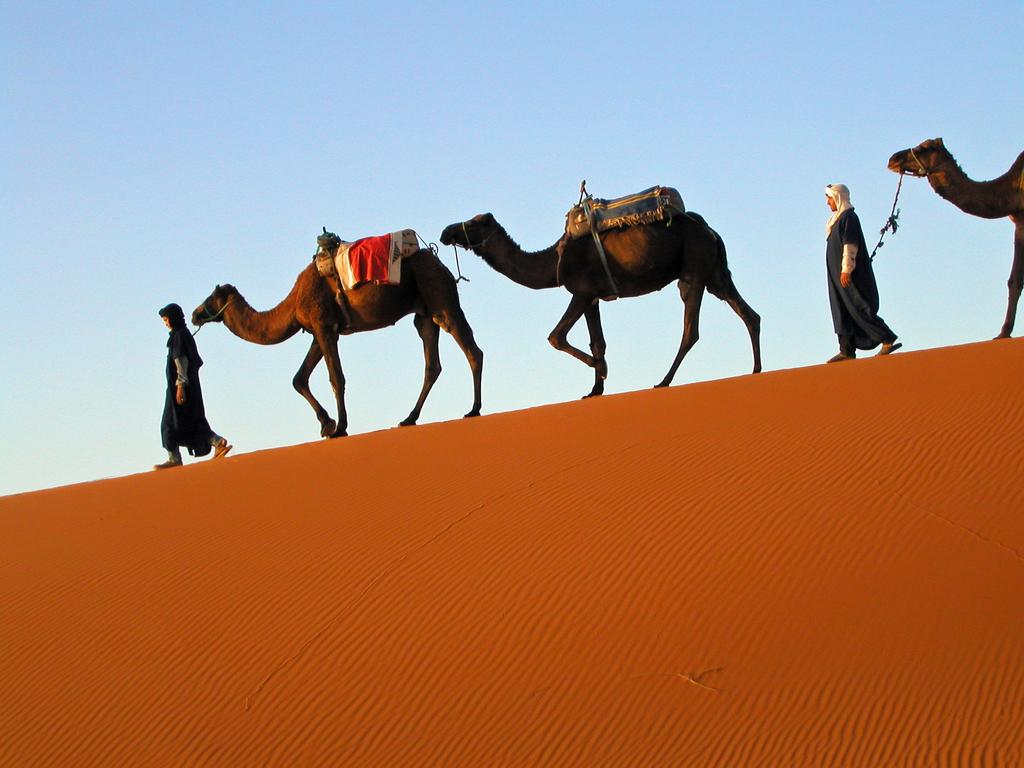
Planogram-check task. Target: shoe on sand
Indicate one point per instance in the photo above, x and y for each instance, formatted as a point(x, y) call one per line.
point(889, 347)
point(169, 464)
point(221, 448)
point(841, 357)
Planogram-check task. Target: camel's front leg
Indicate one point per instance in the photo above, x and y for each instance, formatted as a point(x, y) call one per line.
point(597, 348)
point(328, 341)
point(558, 338)
point(429, 333)
point(1016, 281)
point(301, 383)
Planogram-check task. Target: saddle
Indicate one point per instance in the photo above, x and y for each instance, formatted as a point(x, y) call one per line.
point(368, 260)
point(595, 214)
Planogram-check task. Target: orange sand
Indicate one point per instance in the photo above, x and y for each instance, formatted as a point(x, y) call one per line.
point(821, 566)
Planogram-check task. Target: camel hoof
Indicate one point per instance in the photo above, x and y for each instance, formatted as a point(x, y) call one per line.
point(592, 394)
point(408, 422)
point(661, 385)
point(1002, 336)
point(327, 428)
point(471, 414)
point(339, 433)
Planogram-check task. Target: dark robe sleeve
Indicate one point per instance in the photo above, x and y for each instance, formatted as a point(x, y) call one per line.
point(849, 230)
point(850, 233)
point(178, 345)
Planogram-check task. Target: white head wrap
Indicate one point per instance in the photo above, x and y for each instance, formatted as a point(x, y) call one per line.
point(840, 193)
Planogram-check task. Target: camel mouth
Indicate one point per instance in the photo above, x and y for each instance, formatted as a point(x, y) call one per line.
point(901, 163)
point(448, 236)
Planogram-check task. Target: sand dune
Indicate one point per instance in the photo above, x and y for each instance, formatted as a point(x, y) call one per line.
point(822, 566)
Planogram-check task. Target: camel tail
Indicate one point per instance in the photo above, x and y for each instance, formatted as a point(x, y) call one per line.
point(720, 285)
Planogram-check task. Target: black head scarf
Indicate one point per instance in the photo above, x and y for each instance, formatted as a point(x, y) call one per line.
point(175, 314)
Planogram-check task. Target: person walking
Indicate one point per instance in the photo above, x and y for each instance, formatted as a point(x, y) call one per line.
point(852, 290)
point(184, 419)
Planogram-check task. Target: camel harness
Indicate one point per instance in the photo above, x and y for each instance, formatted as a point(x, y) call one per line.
point(211, 316)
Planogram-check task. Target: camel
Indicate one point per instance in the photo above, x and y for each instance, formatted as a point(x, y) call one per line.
point(427, 291)
point(642, 259)
point(993, 199)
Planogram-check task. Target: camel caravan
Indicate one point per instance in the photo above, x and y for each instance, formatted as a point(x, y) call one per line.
point(610, 249)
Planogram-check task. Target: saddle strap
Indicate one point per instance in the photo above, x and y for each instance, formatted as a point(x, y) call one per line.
point(600, 247)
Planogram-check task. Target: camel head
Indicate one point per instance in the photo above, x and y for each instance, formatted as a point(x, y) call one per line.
point(920, 160)
point(212, 310)
point(470, 234)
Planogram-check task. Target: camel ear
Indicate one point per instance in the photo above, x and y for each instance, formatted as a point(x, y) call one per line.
point(487, 218)
point(939, 142)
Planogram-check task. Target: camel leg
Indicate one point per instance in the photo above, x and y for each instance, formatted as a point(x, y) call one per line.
point(441, 297)
point(453, 320)
point(1016, 281)
point(692, 295)
point(328, 341)
point(429, 333)
point(750, 319)
point(301, 384)
point(597, 348)
point(558, 338)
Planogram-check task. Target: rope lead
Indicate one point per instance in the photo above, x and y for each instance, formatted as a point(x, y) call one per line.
point(891, 222)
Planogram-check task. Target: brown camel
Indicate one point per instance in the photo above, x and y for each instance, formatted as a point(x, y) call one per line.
point(427, 291)
point(642, 259)
point(994, 199)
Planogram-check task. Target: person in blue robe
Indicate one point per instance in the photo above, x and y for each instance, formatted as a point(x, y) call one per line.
point(184, 419)
point(852, 290)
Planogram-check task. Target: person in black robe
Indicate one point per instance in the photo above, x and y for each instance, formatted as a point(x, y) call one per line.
point(852, 290)
point(184, 420)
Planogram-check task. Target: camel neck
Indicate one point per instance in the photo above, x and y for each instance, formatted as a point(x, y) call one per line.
point(534, 269)
point(993, 199)
point(270, 327)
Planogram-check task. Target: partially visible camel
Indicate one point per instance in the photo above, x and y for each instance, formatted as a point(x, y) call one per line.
point(642, 259)
point(994, 199)
point(427, 291)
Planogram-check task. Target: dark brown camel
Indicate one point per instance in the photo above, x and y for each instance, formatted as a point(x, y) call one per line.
point(994, 199)
point(642, 259)
point(427, 291)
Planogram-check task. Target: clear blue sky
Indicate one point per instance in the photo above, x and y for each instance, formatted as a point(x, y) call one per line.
point(152, 150)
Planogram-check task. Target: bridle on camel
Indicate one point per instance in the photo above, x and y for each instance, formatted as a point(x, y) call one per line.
point(924, 171)
point(469, 246)
point(210, 317)
point(894, 214)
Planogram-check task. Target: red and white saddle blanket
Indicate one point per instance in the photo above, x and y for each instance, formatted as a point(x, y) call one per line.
point(369, 260)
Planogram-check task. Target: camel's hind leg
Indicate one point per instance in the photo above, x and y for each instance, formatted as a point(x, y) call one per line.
point(721, 286)
point(429, 333)
point(1016, 281)
point(440, 295)
point(750, 319)
point(692, 295)
point(453, 320)
point(301, 384)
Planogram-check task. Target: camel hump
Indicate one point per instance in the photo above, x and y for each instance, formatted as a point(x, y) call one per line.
point(647, 207)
